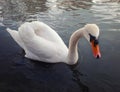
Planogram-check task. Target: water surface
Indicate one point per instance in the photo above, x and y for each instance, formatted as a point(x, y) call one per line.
point(18, 74)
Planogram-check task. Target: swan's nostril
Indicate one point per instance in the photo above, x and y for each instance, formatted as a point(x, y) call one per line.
point(98, 57)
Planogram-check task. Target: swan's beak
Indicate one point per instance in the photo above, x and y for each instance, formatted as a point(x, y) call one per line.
point(95, 49)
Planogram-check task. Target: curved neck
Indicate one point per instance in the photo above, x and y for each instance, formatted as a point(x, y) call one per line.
point(73, 42)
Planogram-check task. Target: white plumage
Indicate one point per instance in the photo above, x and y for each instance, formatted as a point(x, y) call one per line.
point(42, 43)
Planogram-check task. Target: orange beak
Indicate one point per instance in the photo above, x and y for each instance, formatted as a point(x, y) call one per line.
point(95, 49)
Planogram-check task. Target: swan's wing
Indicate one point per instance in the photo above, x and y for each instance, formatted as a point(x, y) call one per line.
point(36, 45)
point(16, 37)
point(43, 30)
point(41, 48)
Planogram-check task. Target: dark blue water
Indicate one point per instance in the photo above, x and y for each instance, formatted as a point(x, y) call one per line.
point(18, 74)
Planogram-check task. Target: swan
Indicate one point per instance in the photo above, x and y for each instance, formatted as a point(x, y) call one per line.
point(40, 42)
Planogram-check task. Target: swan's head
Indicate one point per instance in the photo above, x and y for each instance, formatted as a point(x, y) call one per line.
point(91, 33)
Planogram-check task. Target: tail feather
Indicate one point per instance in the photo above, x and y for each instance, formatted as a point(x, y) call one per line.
point(9, 30)
point(15, 35)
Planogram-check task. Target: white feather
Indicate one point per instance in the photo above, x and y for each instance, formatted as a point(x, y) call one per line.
point(42, 43)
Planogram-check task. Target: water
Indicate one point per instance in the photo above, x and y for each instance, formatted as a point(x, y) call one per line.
point(18, 74)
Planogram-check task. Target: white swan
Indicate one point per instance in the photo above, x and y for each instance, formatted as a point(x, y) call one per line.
point(42, 43)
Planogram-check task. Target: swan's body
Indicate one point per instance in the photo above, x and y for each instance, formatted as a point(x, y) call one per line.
point(42, 43)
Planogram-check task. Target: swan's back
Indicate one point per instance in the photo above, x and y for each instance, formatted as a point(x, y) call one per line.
point(44, 31)
point(42, 42)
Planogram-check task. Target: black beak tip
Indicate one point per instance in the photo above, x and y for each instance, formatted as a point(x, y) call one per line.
point(97, 57)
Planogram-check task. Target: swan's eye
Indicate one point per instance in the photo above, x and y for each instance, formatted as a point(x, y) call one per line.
point(93, 38)
point(96, 42)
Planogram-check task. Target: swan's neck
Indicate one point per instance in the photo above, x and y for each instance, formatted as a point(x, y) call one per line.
point(73, 42)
